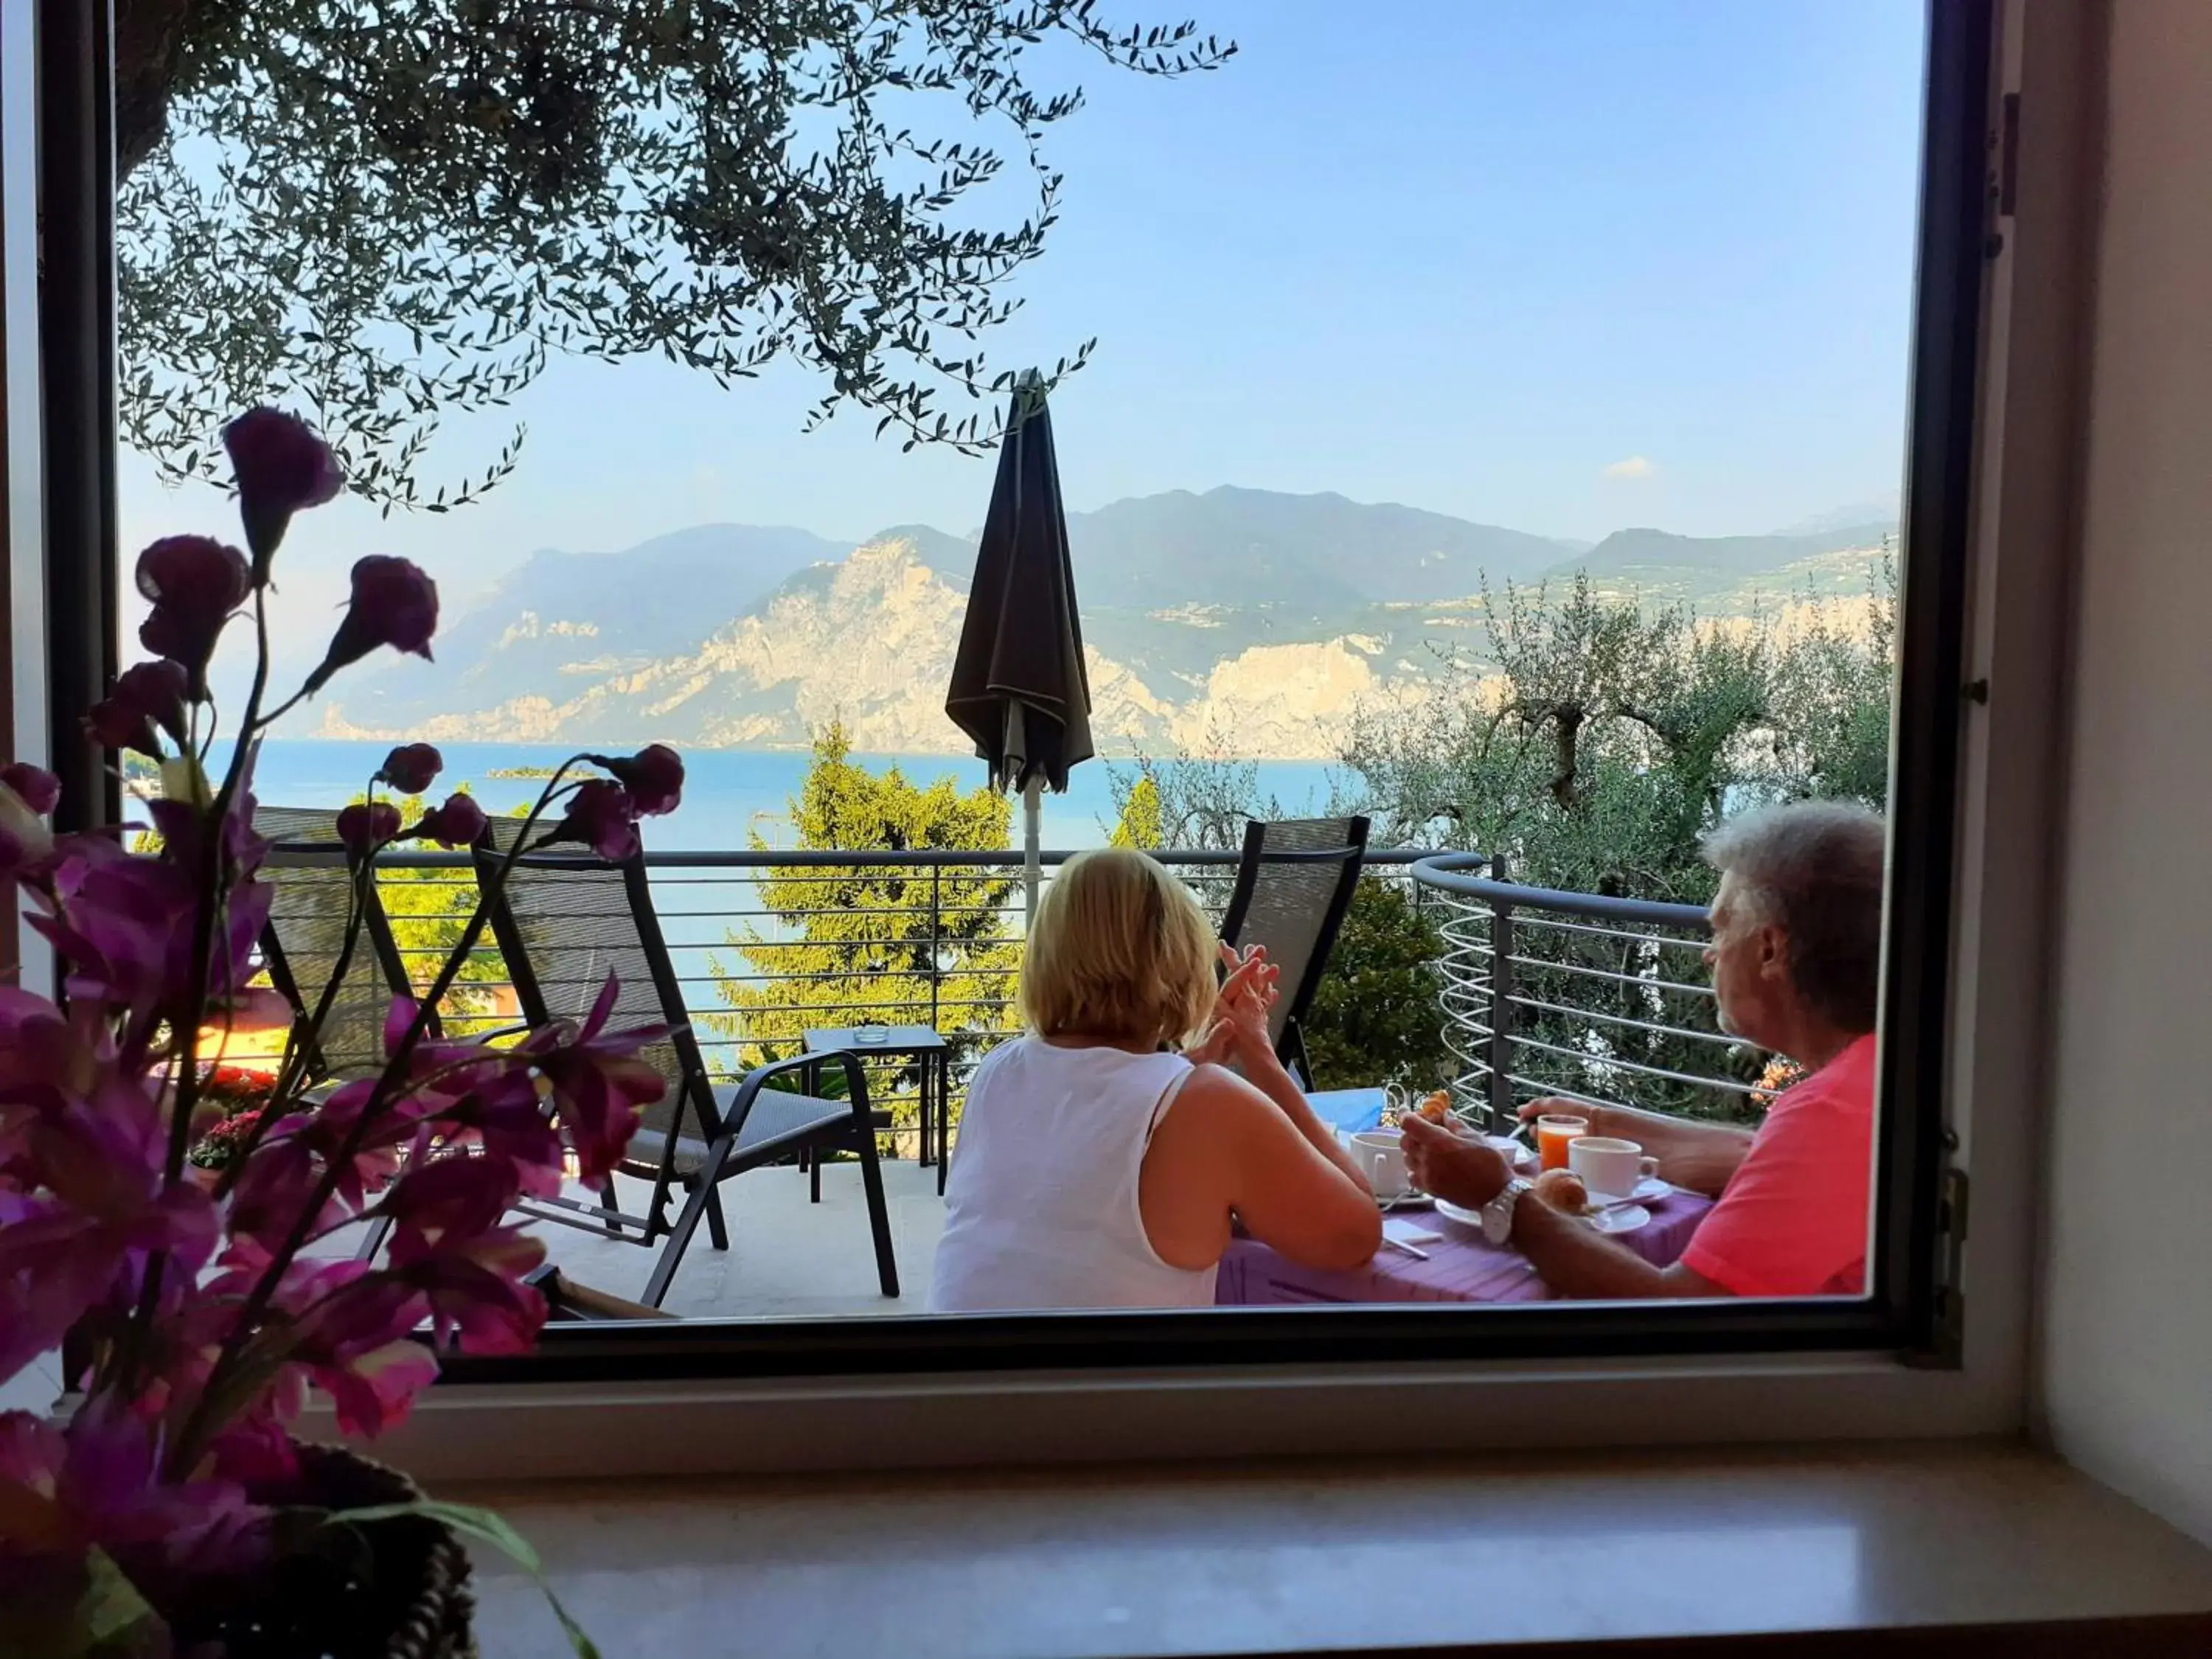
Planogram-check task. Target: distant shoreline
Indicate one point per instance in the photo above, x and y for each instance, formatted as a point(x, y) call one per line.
point(565, 749)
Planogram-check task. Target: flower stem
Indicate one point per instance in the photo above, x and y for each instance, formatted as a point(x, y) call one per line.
point(185, 1451)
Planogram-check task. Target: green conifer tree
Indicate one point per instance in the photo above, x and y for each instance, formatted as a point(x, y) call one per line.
point(910, 944)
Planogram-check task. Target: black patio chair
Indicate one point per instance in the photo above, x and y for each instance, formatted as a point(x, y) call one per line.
point(312, 883)
point(564, 922)
point(1293, 885)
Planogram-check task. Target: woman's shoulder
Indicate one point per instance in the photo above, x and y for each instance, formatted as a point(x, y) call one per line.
point(1006, 1054)
point(1218, 1094)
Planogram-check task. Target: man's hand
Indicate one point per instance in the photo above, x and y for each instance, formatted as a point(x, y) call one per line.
point(1552, 1106)
point(1452, 1166)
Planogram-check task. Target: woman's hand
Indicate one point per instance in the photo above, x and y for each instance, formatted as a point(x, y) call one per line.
point(1238, 1031)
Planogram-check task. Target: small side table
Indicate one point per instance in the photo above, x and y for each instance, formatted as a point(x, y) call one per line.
point(916, 1043)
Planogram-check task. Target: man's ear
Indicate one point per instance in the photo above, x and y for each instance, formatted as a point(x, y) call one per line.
point(1773, 952)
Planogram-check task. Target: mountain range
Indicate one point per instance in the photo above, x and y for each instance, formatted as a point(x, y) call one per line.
point(1244, 616)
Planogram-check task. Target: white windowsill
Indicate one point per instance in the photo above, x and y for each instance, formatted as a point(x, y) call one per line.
point(1289, 1558)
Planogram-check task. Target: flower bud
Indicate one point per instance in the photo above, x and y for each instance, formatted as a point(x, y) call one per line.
point(412, 768)
point(281, 466)
point(394, 604)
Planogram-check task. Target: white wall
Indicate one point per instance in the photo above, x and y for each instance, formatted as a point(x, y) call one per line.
point(2126, 1337)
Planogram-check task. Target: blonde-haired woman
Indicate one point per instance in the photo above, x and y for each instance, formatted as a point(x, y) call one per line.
point(1100, 1167)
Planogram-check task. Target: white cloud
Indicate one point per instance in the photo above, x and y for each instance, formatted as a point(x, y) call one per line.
point(1636, 466)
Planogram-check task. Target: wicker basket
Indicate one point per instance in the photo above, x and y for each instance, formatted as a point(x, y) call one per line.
point(398, 1590)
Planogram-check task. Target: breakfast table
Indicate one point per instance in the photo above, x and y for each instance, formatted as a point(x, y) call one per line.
point(1460, 1267)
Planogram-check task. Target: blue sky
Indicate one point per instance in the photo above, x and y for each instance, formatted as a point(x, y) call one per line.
point(1564, 265)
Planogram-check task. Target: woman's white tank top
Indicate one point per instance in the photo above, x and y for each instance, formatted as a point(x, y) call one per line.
point(1041, 1202)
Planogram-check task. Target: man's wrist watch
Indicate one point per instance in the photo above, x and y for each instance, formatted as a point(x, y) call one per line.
point(1497, 1214)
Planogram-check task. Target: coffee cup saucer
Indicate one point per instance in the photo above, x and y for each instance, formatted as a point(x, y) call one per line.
point(1649, 1190)
point(1620, 1219)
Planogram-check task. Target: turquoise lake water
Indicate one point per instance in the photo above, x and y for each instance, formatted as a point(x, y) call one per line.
point(729, 794)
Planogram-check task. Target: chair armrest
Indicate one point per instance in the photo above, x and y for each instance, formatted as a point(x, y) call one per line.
point(856, 1084)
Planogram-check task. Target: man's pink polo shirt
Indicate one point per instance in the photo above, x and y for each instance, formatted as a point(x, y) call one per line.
point(1792, 1221)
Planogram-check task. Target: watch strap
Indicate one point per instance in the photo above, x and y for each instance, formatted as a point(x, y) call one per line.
point(1497, 1214)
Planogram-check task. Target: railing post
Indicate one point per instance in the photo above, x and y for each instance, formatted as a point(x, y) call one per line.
point(1501, 1005)
point(936, 939)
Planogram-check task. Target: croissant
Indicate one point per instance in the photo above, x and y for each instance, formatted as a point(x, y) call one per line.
point(1563, 1190)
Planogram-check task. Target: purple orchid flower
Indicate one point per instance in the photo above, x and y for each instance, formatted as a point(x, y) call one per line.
point(449, 1197)
point(36, 788)
point(653, 777)
point(474, 1287)
point(602, 815)
point(26, 843)
point(103, 1205)
point(374, 1391)
point(365, 827)
point(147, 699)
point(599, 1084)
point(96, 1484)
point(460, 822)
point(196, 585)
point(125, 926)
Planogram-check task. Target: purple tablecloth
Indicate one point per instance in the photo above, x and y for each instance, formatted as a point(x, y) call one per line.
point(1462, 1266)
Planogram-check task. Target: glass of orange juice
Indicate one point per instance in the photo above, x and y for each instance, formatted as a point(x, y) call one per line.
point(1553, 1136)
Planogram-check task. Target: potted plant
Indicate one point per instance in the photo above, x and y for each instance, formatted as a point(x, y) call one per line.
point(172, 1508)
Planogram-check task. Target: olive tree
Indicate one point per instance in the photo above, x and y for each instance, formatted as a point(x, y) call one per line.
point(390, 212)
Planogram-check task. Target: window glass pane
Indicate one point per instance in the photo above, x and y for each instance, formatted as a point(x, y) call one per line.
point(1479, 438)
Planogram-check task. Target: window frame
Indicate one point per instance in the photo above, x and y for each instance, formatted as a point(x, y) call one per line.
point(1255, 1379)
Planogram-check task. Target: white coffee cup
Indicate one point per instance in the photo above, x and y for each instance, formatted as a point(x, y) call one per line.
point(1381, 1159)
point(1609, 1168)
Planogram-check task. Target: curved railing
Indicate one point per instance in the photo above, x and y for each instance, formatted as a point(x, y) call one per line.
point(1579, 995)
point(1543, 992)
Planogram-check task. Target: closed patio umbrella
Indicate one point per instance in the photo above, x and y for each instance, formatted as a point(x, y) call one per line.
point(1019, 688)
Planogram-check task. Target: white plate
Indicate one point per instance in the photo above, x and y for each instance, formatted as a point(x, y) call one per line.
point(1621, 1219)
point(1459, 1212)
point(1648, 1190)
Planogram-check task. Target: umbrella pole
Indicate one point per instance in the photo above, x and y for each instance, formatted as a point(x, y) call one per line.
point(1032, 861)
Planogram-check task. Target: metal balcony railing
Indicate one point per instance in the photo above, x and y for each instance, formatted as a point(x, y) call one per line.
point(1580, 996)
point(768, 944)
point(1543, 993)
